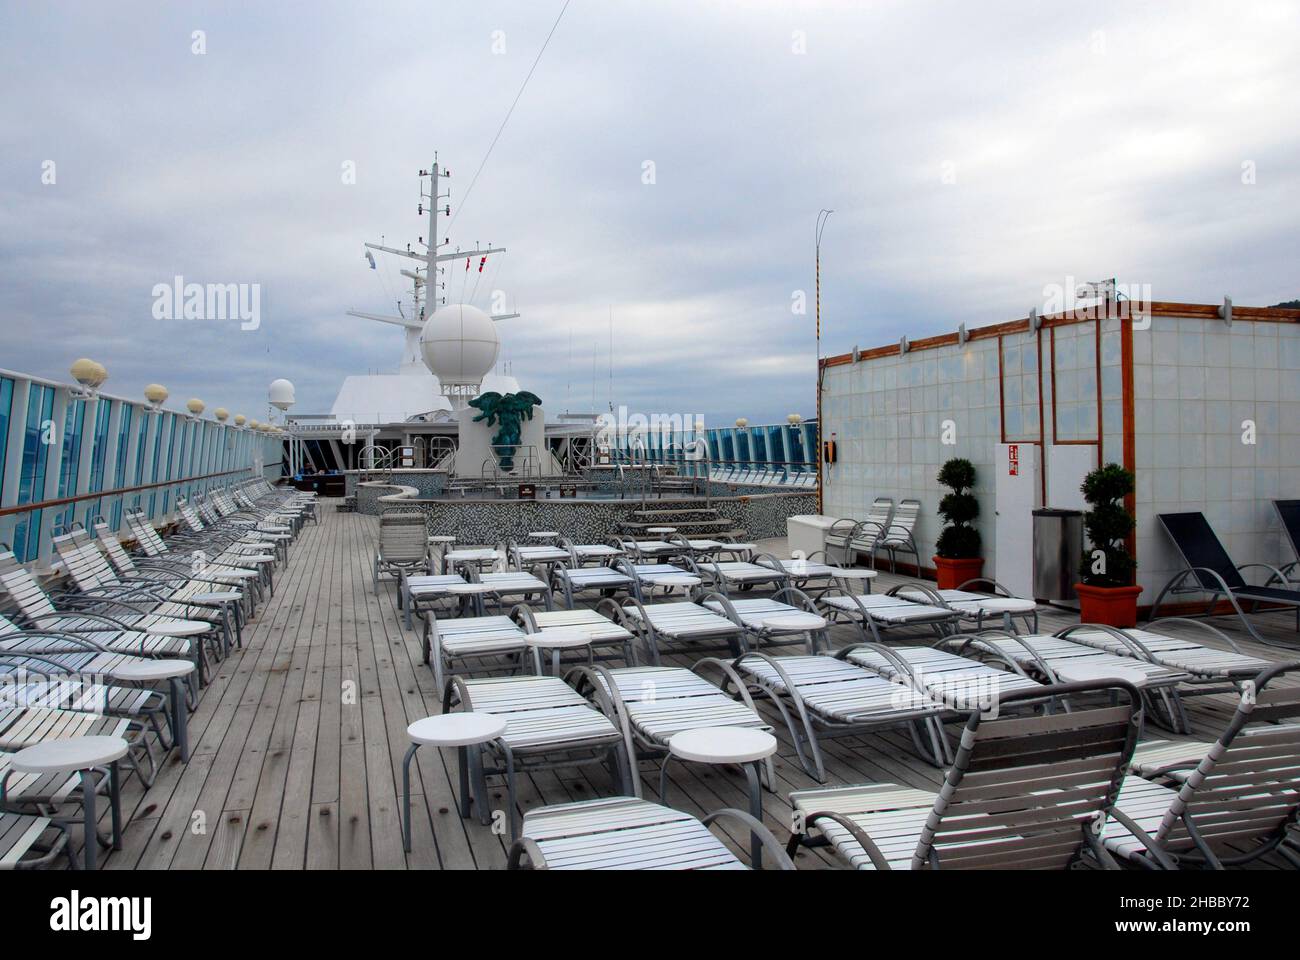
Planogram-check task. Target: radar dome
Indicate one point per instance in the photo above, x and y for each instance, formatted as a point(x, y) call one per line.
point(281, 394)
point(459, 344)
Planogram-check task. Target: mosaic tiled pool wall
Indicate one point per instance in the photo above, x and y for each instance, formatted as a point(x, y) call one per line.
point(487, 521)
point(429, 483)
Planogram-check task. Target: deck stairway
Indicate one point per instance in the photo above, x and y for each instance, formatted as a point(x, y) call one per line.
point(690, 517)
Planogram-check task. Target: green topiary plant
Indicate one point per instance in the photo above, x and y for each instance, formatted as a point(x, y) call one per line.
point(958, 540)
point(1108, 523)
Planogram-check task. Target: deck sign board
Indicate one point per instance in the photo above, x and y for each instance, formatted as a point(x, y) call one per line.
point(1013, 459)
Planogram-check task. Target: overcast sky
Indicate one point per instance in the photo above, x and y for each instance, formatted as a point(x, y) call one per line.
point(973, 153)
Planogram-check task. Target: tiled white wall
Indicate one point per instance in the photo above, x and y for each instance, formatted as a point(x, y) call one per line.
point(888, 414)
point(1195, 381)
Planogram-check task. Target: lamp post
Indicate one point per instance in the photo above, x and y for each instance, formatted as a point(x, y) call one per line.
point(822, 217)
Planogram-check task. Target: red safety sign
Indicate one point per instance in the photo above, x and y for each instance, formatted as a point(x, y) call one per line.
point(1013, 459)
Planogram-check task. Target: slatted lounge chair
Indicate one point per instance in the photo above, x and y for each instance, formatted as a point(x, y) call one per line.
point(653, 704)
point(230, 543)
point(124, 632)
point(821, 696)
point(82, 633)
point(581, 554)
point(648, 551)
point(959, 682)
point(92, 574)
point(424, 590)
point(531, 556)
point(624, 833)
point(877, 613)
point(450, 640)
point(679, 624)
point(161, 571)
point(838, 537)
point(1210, 665)
point(1040, 656)
point(513, 583)
point(733, 575)
point(648, 577)
point(1233, 805)
point(967, 602)
point(548, 725)
point(812, 575)
point(899, 534)
point(602, 631)
point(1288, 512)
point(403, 544)
point(34, 681)
point(217, 567)
point(1210, 570)
point(22, 727)
point(570, 582)
point(27, 843)
point(785, 607)
point(1021, 793)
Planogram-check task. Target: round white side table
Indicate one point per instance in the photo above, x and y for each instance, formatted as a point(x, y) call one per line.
point(81, 755)
point(174, 672)
point(556, 640)
point(459, 730)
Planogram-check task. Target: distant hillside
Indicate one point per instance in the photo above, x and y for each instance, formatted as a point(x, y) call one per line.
point(1289, 305)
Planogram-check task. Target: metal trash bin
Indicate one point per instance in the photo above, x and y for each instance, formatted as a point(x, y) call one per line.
point(1058, 546)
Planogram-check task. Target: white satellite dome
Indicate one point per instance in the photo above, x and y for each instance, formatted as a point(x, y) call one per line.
point(459, 344)
point(281, 394)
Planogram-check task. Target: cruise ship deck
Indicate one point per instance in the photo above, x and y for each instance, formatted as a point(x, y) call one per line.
point(298, 741)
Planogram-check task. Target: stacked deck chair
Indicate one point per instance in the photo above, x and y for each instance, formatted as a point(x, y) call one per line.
point(260, 495)
point(792, 609)
point(1022, 792)
point(1209, 569)
point(280, 518)
point(899, 535)
point(680, 625)
point(548, 725)
point(876, 613)
point(1231, 805)
point(449, 641)
point(1041, 655)
point(653, 704)
point(403, 546)
point(966, 602)
point(602, 632)
point(852, 538)
point(94, 576)
point(123, 632)
point(624, 833)
point(820, 696)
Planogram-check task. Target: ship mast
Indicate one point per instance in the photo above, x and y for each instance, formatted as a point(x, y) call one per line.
point(425, 282)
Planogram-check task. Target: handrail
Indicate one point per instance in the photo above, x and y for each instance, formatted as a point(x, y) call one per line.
point(117, 492)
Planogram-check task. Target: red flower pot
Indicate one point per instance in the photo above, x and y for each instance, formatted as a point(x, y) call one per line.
point(1113, 606)
point(951, 574)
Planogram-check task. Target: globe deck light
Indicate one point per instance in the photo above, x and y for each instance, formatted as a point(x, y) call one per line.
point(156, 394)
point(89, 375)
point(795, 419)
point(742, 422)
point(195, 407)
point(240, 420)
point(222, 414)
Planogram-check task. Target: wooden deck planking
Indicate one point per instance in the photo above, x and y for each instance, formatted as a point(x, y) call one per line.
point(299, 739)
